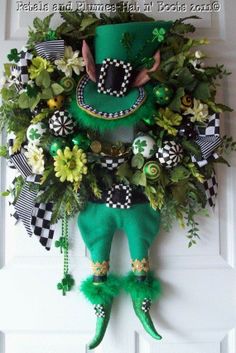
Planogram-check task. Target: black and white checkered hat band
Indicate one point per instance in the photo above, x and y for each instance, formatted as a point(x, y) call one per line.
point(119, 196)
point(103, 114)
point(99, 310)
point(112, 163)
point(211, 189)
point(212, 128)
point(103, 73)
point(51, 50)
point(41, 223)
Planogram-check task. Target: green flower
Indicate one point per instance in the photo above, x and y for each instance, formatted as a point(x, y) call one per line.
point(199, 111)
point(168, 119)
point(14, 55)
point(140, 144)
point(39, 65)
point(159, 34)
point(70, 165)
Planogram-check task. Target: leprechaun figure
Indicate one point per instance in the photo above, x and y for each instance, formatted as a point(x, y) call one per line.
point(114, 93)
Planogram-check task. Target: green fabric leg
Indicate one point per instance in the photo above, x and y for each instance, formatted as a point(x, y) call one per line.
point(98, 224)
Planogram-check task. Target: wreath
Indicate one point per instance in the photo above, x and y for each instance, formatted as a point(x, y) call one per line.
point(63, 159)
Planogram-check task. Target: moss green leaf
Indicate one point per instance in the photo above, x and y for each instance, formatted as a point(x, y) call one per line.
point(137, 161)
point(57, 89)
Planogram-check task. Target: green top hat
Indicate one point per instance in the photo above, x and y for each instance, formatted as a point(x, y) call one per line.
point(121, 52)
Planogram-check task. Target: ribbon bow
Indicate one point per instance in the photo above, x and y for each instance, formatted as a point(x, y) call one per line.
point(209, 140)
point(35, 216)
point(51, 50)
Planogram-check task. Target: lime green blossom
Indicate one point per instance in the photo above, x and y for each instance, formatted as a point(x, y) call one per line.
point(70, 165)
point(39, 65)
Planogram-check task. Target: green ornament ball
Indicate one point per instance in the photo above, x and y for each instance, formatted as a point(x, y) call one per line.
point(68, 83)
point(82, 141)
point(57, 144)
point(163, 94)
point(152, 170)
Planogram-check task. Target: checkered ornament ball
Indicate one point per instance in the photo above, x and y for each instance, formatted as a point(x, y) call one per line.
point(61, 123)
point(170, 154)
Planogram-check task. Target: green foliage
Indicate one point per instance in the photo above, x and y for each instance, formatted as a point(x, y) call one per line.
point(228, 144)
point(39, 31)
point(167, 119)
point(3, 151)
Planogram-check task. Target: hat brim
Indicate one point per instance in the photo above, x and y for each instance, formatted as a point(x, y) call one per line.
point(105, 106)
point(102, 111)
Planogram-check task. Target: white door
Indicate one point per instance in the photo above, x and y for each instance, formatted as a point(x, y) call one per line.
point(197, 312)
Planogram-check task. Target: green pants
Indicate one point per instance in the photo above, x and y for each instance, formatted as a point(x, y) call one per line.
point(98, 224)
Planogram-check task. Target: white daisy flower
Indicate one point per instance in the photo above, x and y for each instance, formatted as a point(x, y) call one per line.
point(70, 62)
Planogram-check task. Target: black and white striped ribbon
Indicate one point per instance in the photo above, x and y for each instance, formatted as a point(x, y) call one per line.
point(19, 161)
point(208, 145)
point(209, 140)
point(51, 50)
point(25, 204)
point(35, 216)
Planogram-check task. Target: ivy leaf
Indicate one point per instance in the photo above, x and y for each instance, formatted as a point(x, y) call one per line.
point(202, 91)
point(47, 93)
point(139, 178)
point(186, 78)
point(124, 171)
point(137, 161)
point(43, 79)
point(57, 89)
point(24, 101)
point(176, 102)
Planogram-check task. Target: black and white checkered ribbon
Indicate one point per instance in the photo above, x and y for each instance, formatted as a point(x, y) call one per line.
point(212, 128)
point(211, 189)
point(209, 140)
point(51, 50)
point(23, 65)
point(36, 217)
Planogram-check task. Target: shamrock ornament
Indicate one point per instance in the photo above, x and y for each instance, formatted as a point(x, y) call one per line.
point(14, 55)
point(35, 132)
point(159, 34)
point(144, 145)
point(50, 35)
point(66, 284)
point(62, 243)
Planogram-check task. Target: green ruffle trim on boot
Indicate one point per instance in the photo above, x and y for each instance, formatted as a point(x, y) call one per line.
point(149, 288)
point(101, 292)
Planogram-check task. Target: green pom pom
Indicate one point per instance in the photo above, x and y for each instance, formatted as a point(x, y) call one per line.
point(103, 292)
point(150, 288)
